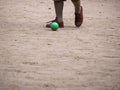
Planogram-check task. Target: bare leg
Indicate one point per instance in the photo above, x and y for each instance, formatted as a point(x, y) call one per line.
point(59, 10)
point(78, 13)
point(58, 4)
point(77, 5)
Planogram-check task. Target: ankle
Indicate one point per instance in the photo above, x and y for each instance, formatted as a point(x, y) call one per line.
point(59, 19)
point(78, 10)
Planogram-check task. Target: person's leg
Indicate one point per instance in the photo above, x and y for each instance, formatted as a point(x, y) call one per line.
point(78, 12)
point(58, 4)
point(77, 5)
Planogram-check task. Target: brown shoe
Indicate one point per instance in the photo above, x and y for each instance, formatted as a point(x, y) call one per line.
point(79, 18)
point(61, 24)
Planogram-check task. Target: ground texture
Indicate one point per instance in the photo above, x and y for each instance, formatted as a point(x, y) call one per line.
point(33, 57)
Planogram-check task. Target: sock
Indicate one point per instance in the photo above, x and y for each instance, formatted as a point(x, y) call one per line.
point(76, 4)
point(59, 10)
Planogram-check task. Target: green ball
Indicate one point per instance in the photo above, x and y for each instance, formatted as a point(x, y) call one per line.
point(54, 26)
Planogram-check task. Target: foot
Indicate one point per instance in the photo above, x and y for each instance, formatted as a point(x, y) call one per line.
point(61, 24)
point(79, 18)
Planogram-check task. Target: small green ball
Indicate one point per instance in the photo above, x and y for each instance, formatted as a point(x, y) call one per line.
point(54, 26)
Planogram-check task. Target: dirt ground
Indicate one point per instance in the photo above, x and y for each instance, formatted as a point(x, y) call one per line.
point(33, 57)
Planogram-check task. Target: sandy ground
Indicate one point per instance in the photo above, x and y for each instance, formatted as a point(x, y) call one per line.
point(33, 57)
